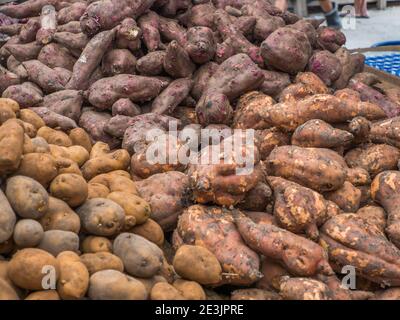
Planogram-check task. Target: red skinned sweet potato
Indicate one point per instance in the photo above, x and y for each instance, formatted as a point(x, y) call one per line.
point(200, 44)
point(54, 55)
point(43, 76)
point(24, 52)
point(128, 35)
point(125, 107)
point(177, 62)
point(26, 94)
point(29, 30)
point(239, 263)
point(330, 39)
point(150, 25)
point(71, 13)
point(118, 61)
point(75, 42)
point(152, 64)
point(7, 79)
point(72, 27)
point(326, 66)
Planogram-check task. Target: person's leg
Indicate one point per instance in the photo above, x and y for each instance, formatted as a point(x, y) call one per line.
point(364, 8)
point(331, 13)
point(281, 4)
point(357, 7)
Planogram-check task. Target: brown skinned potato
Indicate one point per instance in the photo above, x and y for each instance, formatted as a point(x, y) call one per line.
point(98, 261)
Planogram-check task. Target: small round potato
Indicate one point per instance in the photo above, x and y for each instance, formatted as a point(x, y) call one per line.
point(115, 285)
point(208, 269)
point(150, 230)
point(57, 241)
point(165, 291)
point(190, 290)
point(79, 137)
point(41, 167)
point(28, 233)
point(101, 217)
point(27, 268)
point(27, 197)
point(53, 136)
point(69, 187)
point(93, 244)
point(43, 295)
point(59, 216)
point(31, 117)
point(74, 277)
point(95, 262)
point(137, 210)
point(150, 282)
point(141, 257)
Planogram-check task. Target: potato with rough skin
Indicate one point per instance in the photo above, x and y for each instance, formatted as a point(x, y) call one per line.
point(273, 274)
point(137, 210)
point(319, 134)
point(105, 161)
point(101, 217)
point(305, 289)
point(374, 215)
point(257, 199)
point(149, 24)
point(387, 294)
point(74, 42)
point(125, 107)
point(348, 197)
point(54, 55)
point(24, 52)
point(200, 44)
point(350, 240)
point(350, 67)
point(374, 158)
point(168, 194)
point(384, 190)
point(29, 30)
point(16, 74)
point(128, 35)
point(57, 241)
point(27, 197)
point(274, 83)
point(141, 258)
point(290, 55)
point(11, 144)
point(213, 228)
point(201, 77)
point(208, 269)
point(171, 30)
point(76, 153)
point(254, 294)
point(299, 209)
point(71, 27)
point(26, 266)
point(111, 182)
point(7, 218)
point(165, 291)
point(59, 216)
point(74, 277)
point(152, 64)
point(177, 62)
point(330, 39)
point(28, 233)
point(94, 244)
point(98, 261)
point(7, 78)
point(190, 290)
point(386, 131)
point(226, 182)
point(43, 76)
point(235, 76)
point(115, 285)
point(71, 188)
point(54, 120)
point(151, 231)
point(250, 109)
point(320, 106)
point(308, 167)
point(71, 13)
point(299, 256)
point(326, 66)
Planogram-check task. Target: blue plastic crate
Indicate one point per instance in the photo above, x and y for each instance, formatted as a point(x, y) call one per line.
point(389, 63)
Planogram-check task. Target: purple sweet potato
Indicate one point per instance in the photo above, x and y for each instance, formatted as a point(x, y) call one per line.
point(54, 55)
point(72, 27)
point(172, 96)
point(150, 25)
point(71, 13)
point(171, 30)
point(93, 122)
point(48, 25)
point(118, 61)
point(201, 15)
point(75, 42)
point(90, 59)
point(55, 120)
point(106, 14)
point(171, 7)
point(27, 9)
point(330, 39)
point(152, 64)
point(26, 94)
point(274, 82)
point(286, 49)
point(29, 30)
point(201, 77)
point(125, 107)
point(64, 75)
point(16, 67)
point(103, 93)
point(24, 52)
point(43, 76)
point(306, 27)
point(129, 35)
point(7, 78)
point(326, 66)
point(232, 78)
point(177, 62)
point(200, 44)
point(11, 29)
